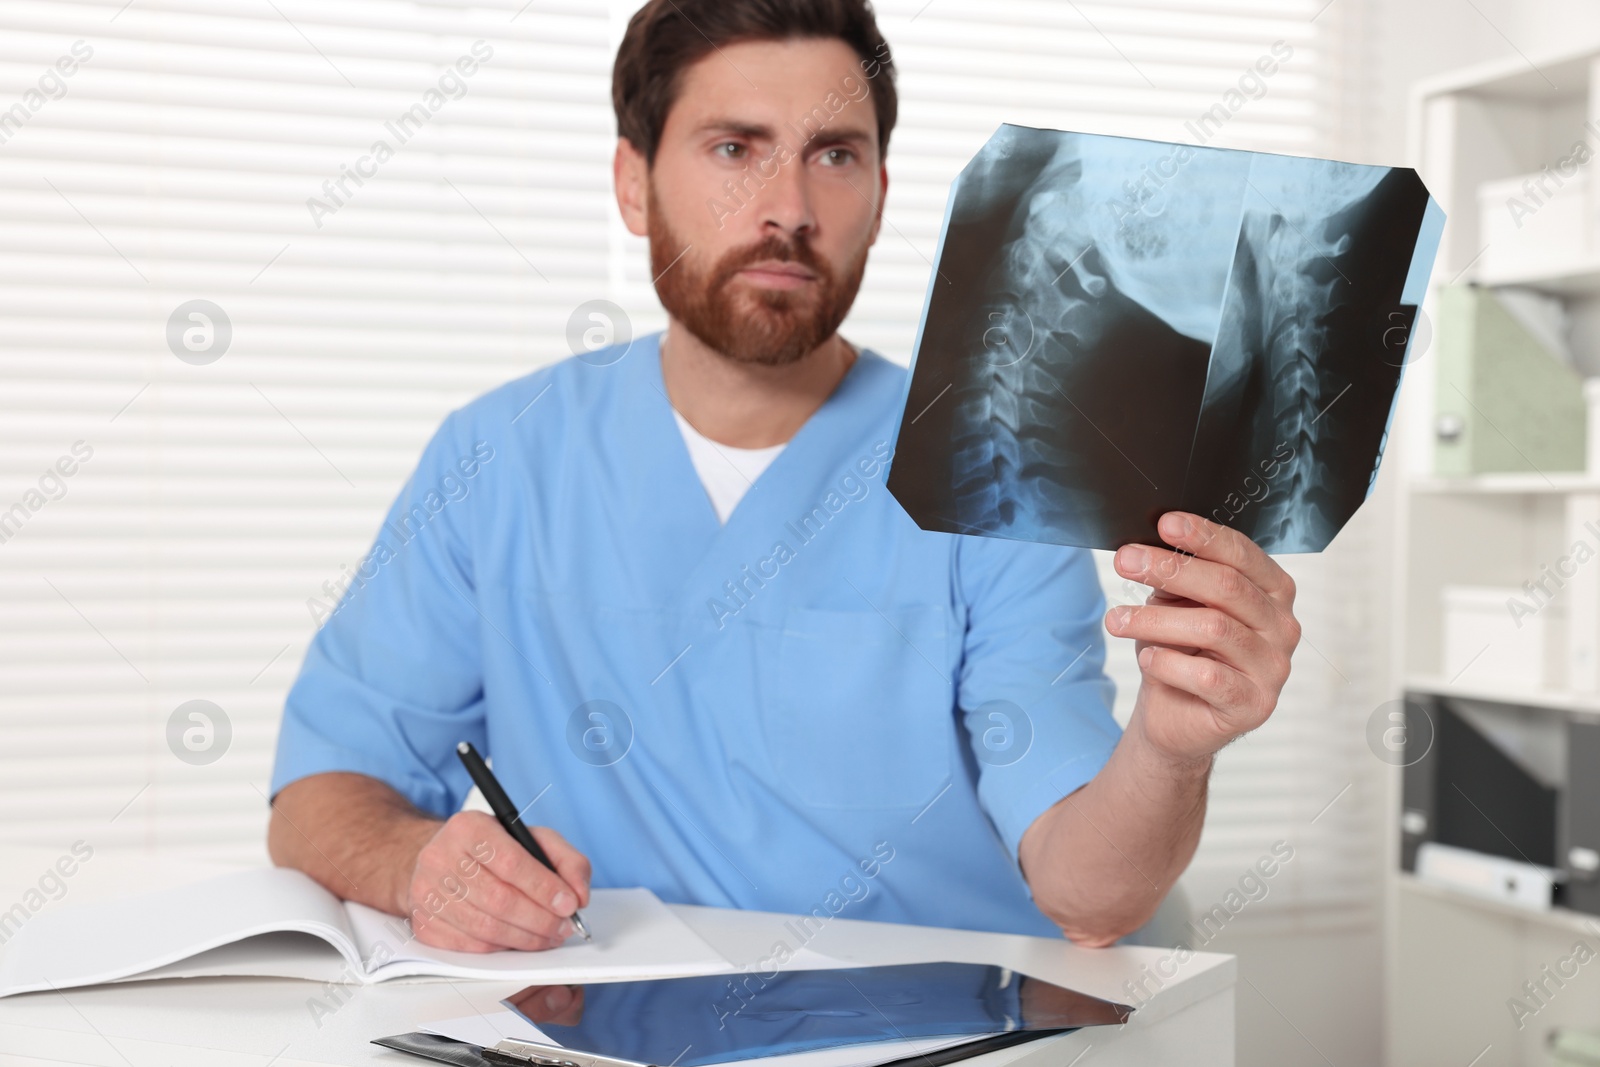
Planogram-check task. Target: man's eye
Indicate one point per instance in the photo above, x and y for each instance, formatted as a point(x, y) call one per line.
point(838, 157)
point(731, 150)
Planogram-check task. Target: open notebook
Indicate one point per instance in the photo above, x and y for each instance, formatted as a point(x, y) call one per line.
point(279, 923)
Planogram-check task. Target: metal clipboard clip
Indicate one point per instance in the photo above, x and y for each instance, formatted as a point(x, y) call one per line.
point(514, 1053)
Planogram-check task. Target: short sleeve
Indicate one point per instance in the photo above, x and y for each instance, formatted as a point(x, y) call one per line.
point(393, 679)
point(1032, 687)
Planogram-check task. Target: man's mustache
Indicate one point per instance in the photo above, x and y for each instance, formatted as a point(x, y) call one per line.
point(773, 248)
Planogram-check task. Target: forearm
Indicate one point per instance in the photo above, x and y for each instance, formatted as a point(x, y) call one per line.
point(353, 834)
point(1100, 861)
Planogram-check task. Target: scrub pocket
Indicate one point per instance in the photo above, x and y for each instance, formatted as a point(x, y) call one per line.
point(861, 718)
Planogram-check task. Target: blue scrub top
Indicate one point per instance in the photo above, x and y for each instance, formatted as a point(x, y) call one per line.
point(818, 708)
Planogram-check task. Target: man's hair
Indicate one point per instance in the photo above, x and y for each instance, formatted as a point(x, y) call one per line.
point(664, 37)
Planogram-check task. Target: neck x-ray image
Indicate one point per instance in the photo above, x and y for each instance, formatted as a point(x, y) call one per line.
point(1116, 328)
point(717, 1019)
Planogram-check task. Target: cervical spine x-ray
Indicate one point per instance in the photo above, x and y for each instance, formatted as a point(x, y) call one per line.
point(1116, 328)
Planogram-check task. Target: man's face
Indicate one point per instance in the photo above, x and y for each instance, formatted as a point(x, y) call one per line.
point(764, 197)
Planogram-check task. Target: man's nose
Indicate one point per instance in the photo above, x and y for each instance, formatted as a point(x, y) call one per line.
point(785, 201)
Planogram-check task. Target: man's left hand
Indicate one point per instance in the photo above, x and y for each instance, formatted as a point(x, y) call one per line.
point(1213, 639)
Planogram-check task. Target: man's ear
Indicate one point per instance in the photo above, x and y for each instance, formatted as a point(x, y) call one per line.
point(631, 175)
point(883, 199)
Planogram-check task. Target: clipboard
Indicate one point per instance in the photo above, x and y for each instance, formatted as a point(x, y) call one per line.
point(744, 1018)
point(511, 1053)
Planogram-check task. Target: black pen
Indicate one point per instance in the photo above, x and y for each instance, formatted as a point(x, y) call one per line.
point(506, 813)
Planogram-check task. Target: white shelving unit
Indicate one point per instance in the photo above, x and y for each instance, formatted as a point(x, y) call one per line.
point(1455, 961)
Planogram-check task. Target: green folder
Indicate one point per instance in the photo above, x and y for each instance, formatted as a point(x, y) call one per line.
point(1504, 401)
point(1574, 1048)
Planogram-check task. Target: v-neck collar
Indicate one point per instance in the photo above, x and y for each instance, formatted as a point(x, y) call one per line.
point(842, 396)
point(677, 533)
point(722, 467)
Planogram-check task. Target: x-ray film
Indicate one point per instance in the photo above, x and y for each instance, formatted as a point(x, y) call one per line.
point(1116, 328)
point(716, 1019)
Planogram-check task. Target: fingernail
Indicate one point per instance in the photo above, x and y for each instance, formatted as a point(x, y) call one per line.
point(1133, 558)
point(1118, 619)
point(553, 999)
point(1174, 525)
point(567, 929)
point(564, 903)
point(1146, 654)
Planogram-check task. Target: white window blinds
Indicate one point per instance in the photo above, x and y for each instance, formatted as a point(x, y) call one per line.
point(389, 208)
point(254, 250)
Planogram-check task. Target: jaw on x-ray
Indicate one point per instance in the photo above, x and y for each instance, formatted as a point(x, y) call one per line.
point(1116, 328)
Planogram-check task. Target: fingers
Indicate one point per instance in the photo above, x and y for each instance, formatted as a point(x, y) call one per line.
point(1218, 685)
point(548, 889)
point(1200, 628)
point(1205, 539)
point(474, 889)
point(431, 930)
point(506, 903)
point(1199, 580)
point(474, 926)
point(571, 865)
point(1216, 635)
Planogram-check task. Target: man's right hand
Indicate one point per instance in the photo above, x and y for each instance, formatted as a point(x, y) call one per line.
point(474, 889)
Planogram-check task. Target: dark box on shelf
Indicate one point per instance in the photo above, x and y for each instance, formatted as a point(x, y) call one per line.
point(1507, 780)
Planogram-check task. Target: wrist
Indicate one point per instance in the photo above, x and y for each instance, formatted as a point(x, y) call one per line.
point(1161, 760)
point(408, 839)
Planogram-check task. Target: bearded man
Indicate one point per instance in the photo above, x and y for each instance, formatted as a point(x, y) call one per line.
point(663, 587)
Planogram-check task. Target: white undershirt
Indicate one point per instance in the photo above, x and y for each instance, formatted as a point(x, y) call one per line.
point(725, 471)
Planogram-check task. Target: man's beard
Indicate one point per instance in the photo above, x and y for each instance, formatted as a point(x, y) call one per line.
point(769, 327)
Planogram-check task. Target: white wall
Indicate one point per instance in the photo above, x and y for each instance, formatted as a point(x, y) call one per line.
point(1413, 40)
point(1419, 38)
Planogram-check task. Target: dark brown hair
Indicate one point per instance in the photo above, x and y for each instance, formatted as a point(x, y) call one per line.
point(666, 36)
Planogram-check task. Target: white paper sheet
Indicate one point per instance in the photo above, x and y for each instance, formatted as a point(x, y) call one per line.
point(635, 936)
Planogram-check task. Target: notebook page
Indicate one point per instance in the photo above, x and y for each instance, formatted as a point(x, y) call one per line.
point(126, 937)
point(285, 954)
point(635, 936)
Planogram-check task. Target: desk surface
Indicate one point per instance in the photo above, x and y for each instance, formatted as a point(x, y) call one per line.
point(259, 1022)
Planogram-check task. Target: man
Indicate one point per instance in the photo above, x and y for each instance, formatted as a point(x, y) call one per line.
point(664, 587)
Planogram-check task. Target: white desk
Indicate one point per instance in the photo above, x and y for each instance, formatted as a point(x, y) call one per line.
point(248, 1022)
